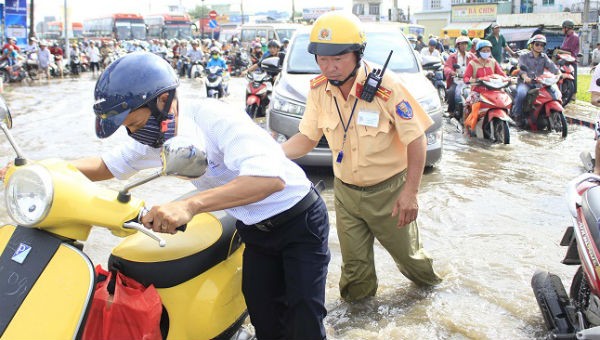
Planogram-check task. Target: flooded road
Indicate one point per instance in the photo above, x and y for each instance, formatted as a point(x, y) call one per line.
point(490, 216)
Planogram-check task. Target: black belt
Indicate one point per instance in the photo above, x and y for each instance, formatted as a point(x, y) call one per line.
point(276, 221)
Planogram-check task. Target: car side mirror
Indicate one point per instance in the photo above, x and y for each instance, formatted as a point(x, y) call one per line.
point(271, 65)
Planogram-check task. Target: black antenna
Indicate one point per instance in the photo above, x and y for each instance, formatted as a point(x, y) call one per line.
point(386, 62)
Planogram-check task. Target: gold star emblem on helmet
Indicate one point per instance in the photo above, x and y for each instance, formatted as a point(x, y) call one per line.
point(325, 34)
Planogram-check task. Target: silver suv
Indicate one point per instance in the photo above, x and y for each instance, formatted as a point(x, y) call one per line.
point(291, 88)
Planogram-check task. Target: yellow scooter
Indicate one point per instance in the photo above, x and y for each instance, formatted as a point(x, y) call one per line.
point(47, 282)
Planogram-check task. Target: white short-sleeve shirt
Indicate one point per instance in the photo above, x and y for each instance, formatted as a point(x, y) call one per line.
point(235, 146)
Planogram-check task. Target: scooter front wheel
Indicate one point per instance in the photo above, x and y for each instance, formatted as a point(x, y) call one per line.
point(568, 90)
point(501, 132)
point(553, 301)
point(559, 123)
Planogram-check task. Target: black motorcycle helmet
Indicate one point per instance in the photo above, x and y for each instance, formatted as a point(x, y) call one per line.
point(568, 24)
point(129, 83)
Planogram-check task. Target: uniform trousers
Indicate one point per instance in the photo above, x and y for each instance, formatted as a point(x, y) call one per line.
point(363, 214)
point(284, 275)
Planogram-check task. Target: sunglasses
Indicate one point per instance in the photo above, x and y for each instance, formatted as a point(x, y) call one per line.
point(539, 44)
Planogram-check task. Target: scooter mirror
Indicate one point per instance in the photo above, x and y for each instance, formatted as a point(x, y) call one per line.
point(598, 81)
point(270, 65)
point(5, 117)
point(180, 157)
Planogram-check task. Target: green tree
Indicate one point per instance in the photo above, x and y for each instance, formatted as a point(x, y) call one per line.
point(199, 11)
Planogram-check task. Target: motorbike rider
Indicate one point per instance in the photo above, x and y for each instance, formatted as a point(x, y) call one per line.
point(378, 169)
point(483, 65)
point(461, 58)
point(535, 62)
point(273, 50)
point(431, 49)
point(255, 52)
point(285, 43)
point(570, 44)
point(193, 55)
point(58, 57)
point(216, 59)
point(420, 44)
point(281, 218)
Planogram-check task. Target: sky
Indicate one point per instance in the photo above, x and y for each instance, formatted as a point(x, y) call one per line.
point(80, 10)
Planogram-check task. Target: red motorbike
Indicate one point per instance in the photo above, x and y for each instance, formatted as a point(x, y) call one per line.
point(487, 111)
point(566, 84)
point(543, 107)
point(575, 315)
point(257, 92)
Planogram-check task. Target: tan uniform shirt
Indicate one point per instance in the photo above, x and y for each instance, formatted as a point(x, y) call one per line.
point(377, 136)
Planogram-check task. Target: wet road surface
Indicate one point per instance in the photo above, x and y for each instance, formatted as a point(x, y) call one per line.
point(490, 216)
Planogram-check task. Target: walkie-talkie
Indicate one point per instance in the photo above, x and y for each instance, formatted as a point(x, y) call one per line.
point(374, 81)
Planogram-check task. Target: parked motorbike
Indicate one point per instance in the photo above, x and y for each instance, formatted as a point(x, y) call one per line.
point(14, 73)
point(49, 282)
point(434, 71)
point(575, 315)
point(542, 107)
point(491, 106)
point(566, 63)
point(216, 84)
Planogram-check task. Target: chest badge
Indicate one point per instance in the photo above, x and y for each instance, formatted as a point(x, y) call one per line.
point(404, 110)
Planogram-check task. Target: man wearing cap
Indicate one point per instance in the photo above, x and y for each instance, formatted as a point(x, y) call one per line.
point(377, 139)
point(498, 43)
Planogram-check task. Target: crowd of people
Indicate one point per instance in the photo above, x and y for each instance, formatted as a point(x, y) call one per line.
point(47, 59)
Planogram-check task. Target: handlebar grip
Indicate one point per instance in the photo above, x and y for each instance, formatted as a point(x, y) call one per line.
point(182, 228)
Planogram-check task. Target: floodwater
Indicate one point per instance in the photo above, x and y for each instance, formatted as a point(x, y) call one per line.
point(490, 216)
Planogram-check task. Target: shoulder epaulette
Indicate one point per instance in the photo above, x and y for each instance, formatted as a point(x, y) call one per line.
point(382, 92)
point(318, 81)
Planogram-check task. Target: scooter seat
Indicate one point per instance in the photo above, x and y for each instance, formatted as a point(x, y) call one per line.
point(208, 240)
point(591, 211)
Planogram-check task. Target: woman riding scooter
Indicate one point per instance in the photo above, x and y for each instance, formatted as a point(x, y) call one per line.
point(455, 66)
point(488, 79)
point(535, 62)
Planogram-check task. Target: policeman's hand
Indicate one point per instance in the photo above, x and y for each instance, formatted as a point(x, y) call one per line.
point(526, 79)
point(167, 217)
point(406, 208)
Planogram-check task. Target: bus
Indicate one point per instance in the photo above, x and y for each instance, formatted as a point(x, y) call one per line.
point(121, 26)
point(268, 31)
point(168, 26)
point(55, 31)
point(413, 29)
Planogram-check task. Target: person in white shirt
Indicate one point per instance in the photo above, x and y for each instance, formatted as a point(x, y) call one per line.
point(596, 55)
point(282, 220)
point(431, 50)
point(93, 54)
point(44, 58)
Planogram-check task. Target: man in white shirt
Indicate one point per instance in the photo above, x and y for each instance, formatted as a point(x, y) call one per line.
point(281, 218)
point(431, 50)
point(93, 54)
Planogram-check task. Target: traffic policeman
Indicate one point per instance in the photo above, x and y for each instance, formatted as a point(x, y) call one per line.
point(378, 150)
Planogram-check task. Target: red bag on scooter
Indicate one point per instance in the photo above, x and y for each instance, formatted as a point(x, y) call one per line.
point(132, 312)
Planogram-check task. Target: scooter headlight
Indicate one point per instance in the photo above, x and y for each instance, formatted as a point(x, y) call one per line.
point(28, 195)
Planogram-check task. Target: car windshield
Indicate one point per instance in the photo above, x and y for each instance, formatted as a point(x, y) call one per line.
point(378, 43)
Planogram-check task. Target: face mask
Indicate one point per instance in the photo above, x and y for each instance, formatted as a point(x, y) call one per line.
point(151, 133)
point(215, 56)
point(485, 55)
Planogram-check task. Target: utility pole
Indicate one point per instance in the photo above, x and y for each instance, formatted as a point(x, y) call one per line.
point(31, 20)
point(66, 30)
point(242, 10)
point(585, 32)
point(293, 10)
